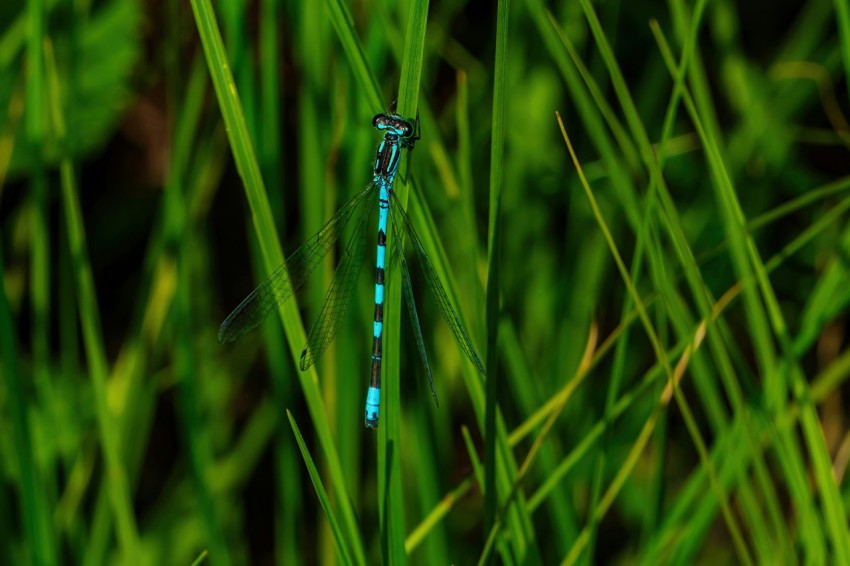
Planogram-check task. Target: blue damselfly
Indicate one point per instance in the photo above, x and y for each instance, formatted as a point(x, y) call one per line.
point(285, 280)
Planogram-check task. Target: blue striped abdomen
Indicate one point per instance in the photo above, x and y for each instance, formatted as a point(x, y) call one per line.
point(373, 396)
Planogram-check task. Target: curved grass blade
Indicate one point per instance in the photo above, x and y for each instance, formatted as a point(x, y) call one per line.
point(338, 297)
point(446, 308)
point(338, 536)
point(411, 304)
point(287, 278)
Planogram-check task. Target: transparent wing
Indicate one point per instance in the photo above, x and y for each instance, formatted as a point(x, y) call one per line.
point(433, 280)
point(287, 278)
point(411, 304)
point(340, 293)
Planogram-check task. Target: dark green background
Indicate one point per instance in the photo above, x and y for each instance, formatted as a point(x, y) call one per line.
point(128, 434)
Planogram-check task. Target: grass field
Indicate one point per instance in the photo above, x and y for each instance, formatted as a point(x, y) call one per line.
point(641, 211)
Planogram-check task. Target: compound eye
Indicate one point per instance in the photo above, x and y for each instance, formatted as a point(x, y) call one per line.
point(406, 129)
point(378, 119)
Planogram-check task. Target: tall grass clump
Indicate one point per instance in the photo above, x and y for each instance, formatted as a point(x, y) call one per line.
point(639, 212)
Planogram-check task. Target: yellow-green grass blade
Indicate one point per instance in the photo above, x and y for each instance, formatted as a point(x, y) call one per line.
point(661, 356)
point(201, 557)
point(826, 383)
point(709, 396)
point(750, 265)
point(657, 178)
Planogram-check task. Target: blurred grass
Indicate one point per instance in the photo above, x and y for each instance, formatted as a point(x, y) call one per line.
point(494, 247)
point(684, 262)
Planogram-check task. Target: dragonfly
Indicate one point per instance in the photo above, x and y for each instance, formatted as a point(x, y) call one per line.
point(398, 134)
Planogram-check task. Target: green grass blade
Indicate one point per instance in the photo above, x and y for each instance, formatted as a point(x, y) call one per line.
point(196, 433)
point(477, 468)
point(36, 517)
point(647, 154)
point(715, 167)
point(177, 214)
point(34, 117)
point(288, 545)
point(661, 356)
point(437, 514)
point(339, 537)
point(425, 455)
point(842, 10)
point(269, 146)
point(506, 468)
point(821, 386)
point(248, 167)
point(118, 484)
point(390, 491)
point(494, 236)
point(748, 261)
point(200, 559)
point(344, 26)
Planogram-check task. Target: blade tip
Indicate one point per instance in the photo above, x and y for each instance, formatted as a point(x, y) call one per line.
point(224, 336)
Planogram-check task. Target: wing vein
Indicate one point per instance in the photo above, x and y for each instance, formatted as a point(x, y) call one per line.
point(289, 276)
point(433, 279)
